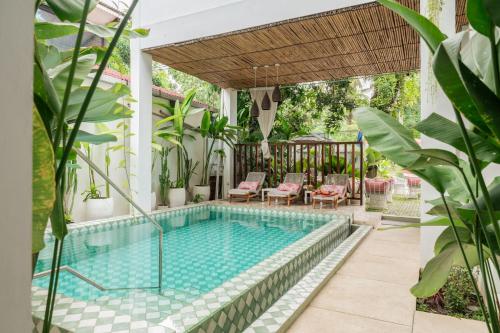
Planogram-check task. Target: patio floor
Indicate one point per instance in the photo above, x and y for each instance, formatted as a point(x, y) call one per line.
point(401, 206)
point(370, 293)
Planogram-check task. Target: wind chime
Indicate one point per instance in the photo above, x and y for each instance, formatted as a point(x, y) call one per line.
point(254, 111)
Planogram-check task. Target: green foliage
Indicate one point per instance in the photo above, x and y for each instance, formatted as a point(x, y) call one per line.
point(62, 103)
point(456, 298)
point(43, 182)
point(399, 96)
point(120, 59)
point(458, 290)
point(466, 205)
point(173, 130)
point(214, 129)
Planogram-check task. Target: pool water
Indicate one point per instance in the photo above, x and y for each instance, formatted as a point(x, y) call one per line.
point(201, 250)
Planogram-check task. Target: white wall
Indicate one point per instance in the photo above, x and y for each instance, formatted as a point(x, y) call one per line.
point(119, 175)
point(16, 66)
point(173, 21)
point(433, 99)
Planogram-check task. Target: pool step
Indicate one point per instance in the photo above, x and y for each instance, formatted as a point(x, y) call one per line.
point(147, 305)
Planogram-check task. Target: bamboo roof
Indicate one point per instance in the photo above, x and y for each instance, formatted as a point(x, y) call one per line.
point(355, 41)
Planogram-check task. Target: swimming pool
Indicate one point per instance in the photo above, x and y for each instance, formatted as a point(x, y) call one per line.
point(212, 255)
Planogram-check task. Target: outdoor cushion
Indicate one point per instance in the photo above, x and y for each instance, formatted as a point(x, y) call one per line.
point(413, 181)
point(237, 191)
point(251, 186)
point(289, 187)
point(376, 185)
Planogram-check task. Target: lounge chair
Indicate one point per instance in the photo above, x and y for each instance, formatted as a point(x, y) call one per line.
point(247, 194)
point(339, 180)
point(285, 194)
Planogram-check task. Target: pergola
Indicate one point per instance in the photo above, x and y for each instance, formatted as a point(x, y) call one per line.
point(366, 39)
point(312, 41)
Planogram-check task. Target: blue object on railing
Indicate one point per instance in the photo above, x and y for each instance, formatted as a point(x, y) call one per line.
point(360, 136)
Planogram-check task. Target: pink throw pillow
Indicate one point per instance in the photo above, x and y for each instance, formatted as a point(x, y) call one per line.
point(251, 186)
point(376, 186)
point(327, 189)
point(288, 187)
point(340, 189)
point(413, 181)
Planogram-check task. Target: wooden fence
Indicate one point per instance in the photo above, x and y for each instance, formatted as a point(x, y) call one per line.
point(315, 159)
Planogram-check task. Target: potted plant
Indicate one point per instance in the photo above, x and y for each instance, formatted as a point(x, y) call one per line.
point(164, 177)
point(173, 130)
point(97, 206)
point(70, 188)
point(214, 129)
point(372, 159)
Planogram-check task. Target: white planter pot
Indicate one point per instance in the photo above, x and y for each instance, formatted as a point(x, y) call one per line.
point(176, 197)
point(96, 209)
point(153, 200)
point(203, 190)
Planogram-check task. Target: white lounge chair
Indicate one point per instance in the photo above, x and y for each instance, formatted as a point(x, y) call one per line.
point(289, 196)
point(248, 194)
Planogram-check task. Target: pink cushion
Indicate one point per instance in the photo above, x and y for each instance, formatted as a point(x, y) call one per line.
point(413, 181)
point(251, 186)
point(376, 185)
point(289, 187)
point(340, 189)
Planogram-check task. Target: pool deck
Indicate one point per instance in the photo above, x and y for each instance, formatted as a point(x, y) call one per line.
point(360, 215)
point(370, 293)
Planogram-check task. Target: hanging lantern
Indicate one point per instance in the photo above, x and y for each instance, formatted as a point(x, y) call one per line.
point(266, 101)
point(277, 91)
point(254, 111)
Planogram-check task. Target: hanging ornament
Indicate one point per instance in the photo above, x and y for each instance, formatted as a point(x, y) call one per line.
point(277, 91)
point(254, 111)
point(266, 102)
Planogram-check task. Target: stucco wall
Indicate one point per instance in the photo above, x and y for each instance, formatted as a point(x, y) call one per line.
point(118, 174)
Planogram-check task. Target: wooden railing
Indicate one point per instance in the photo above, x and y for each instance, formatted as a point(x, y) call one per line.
point(315, 160)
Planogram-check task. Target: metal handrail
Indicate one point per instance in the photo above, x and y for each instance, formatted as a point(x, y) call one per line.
point(136, 206)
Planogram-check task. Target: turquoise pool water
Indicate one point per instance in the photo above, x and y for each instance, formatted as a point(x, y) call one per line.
point(202, 250)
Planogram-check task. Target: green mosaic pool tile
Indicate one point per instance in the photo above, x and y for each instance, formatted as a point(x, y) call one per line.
point(251, 305)
point(281, 312)
point(219, 296)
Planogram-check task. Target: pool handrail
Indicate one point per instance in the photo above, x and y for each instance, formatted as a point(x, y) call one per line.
point(136, 206)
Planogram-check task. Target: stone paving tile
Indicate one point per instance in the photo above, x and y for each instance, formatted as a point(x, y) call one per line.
point(316, 320)
point(385, 269)
point(370, 293)
point(425, 322)
point(367, 298)
point(385, 248)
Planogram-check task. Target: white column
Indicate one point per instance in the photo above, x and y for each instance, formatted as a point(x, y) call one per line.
point(15, 169)
point(141, 124)
point(433, 99)
point(229, 106)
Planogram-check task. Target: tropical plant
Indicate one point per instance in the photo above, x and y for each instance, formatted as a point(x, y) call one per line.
point(173, 130)
point(164, 176)
point(466, 66)
point(61, 104)
point(70, 187)
point(214, 129)
point(198, 198)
